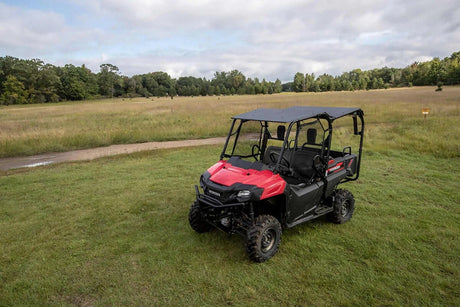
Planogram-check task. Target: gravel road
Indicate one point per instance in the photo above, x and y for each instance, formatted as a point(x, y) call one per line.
point(94, 153)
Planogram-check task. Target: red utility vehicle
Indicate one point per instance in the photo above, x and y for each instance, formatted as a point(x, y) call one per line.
point(277, 170)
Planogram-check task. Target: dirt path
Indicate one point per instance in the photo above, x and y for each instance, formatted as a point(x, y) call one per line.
point(94, 153)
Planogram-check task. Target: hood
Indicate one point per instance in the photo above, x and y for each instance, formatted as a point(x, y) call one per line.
point(228, 173)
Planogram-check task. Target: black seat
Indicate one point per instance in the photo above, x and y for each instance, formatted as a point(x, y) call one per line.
point(280, 131)
point(300, 160)
point(302, 164)
point(311, 136)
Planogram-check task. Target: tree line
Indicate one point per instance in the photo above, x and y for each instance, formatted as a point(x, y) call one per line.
point(33, 81)
point(435, 72)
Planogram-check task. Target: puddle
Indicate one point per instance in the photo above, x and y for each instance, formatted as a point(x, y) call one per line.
point(36, 164)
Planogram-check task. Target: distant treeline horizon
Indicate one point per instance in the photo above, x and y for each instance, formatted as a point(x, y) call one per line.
point(33, 81)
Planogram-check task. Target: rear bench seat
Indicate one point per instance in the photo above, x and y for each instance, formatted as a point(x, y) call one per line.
point(301, 160)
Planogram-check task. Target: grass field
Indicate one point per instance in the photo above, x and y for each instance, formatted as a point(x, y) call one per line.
point(115, 232)
point(395, 114)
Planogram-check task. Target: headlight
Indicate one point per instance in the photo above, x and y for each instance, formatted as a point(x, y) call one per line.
point(243, 195)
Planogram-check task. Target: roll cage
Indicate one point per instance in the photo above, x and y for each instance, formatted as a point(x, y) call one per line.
point(291, 122)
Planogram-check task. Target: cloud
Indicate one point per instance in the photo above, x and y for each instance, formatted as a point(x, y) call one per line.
point(33, 28)
point(35, 33)
point(177, 15)
point(265, 39)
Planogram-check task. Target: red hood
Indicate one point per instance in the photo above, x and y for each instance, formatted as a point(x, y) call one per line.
point(226, 174)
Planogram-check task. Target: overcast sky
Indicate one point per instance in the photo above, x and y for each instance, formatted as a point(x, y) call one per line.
point(265, 39)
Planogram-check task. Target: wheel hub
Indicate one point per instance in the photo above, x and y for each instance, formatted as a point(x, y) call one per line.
point(268, 240)
point(345, 209)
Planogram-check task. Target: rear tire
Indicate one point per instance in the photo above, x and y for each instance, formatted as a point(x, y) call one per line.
point(344, 206)
point(196, 220)
point(263, 238)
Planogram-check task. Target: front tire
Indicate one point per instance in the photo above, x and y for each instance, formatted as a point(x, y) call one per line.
point(344, 206)
point(263, 238)
point(196, 220)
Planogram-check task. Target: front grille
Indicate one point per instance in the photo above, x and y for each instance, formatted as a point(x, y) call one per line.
point(214, 193)
point(223, 197)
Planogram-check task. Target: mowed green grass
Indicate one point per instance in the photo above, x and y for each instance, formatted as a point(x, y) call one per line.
point(394, 115)
point(115, 232)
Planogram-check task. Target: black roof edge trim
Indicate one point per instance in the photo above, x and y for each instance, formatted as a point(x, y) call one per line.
point(294, 114)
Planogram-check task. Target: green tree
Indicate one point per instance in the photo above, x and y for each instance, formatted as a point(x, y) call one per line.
point(453, 68)
point(107, 78)
point(264, 86)
point(219, 81)
point(277, 87)
point(6, 67)
point(237, 79)
point(287, 87)
point(47, 85)
point(191, 86)
point(13, 91)
point(257, 86)
point(325, 83)
point(77, 83)
point(211, 90)
point(421, 74)
point(299, 82)
point(149, 83)
point(309, 82)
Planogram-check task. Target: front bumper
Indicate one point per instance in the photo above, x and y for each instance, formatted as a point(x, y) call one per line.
point(229, 217)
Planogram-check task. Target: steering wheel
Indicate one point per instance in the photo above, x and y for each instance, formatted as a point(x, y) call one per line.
point(255, 151)
point(274, 158)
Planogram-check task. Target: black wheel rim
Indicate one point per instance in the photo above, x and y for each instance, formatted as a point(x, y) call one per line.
point(268, 240)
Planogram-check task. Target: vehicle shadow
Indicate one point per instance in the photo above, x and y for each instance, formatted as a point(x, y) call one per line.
point(231, 247)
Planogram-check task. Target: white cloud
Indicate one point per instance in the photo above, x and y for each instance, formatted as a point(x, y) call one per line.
point(33, 29)
point(35, 33)
point(267, 39)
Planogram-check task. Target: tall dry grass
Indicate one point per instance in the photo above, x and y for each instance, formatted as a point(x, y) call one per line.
point(393, 119)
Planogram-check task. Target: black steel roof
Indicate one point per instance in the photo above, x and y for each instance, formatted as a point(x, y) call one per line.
point(293, 114)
